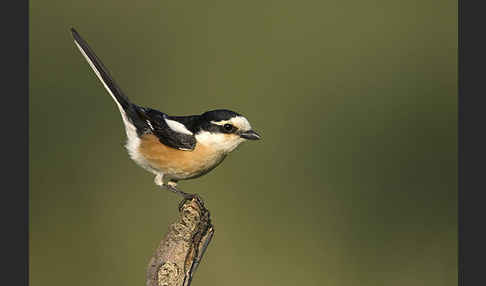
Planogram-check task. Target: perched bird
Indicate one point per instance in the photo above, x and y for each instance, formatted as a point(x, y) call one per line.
point(173, 148)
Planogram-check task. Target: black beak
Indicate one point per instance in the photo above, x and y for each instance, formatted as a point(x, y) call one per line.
point(250, 135)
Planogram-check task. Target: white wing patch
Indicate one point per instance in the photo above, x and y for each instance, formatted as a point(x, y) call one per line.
point(177, 126)
point(150, 124)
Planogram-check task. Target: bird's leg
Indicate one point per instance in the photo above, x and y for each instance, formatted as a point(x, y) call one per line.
point(171, 186)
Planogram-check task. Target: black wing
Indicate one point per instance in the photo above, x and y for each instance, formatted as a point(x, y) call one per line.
point(145, 120)
point(167, 136)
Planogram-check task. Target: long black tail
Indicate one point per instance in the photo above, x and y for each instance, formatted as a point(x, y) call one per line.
point(101, 71)
point(128, 110)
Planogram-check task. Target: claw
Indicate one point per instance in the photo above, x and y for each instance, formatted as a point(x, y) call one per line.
point(171, 186)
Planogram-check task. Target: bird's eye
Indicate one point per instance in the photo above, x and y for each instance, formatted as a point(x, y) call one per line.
point(228, 127)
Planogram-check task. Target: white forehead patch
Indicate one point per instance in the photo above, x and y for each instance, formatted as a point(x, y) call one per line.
point(177, 126)
point(239, 122)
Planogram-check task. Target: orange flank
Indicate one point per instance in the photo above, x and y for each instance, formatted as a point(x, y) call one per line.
point(179, 163)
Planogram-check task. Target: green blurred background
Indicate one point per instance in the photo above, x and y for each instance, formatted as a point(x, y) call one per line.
point(354, 183)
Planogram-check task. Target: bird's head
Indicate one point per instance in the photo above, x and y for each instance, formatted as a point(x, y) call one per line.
point(224, 130)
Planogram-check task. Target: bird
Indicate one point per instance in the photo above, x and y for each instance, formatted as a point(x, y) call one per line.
point(173, 148)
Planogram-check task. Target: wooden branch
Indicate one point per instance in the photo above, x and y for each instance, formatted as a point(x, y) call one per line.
point(181, 250)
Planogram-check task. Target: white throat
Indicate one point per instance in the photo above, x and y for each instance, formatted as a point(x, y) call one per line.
point(220, 142)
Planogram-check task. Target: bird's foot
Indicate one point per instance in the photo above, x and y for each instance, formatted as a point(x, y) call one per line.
point(171, 186)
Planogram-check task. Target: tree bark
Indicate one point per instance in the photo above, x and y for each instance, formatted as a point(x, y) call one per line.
point(181, 250)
